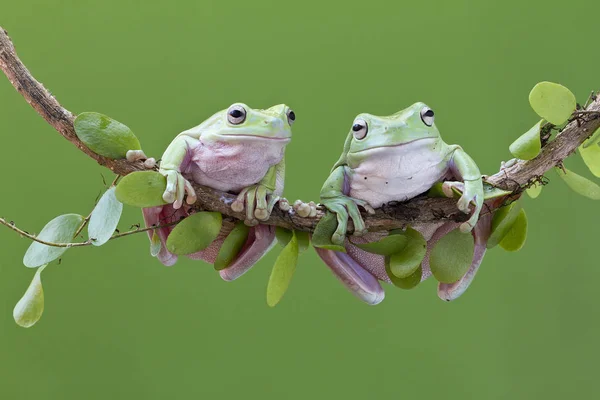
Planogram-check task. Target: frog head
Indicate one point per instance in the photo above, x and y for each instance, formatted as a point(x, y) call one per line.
point(242, 123)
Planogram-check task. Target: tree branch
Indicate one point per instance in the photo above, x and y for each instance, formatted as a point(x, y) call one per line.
point(418, 210)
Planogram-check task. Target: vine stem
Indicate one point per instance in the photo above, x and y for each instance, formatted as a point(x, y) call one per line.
point(391, 216)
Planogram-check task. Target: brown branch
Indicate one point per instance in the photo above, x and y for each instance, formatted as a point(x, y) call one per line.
point(420, 209)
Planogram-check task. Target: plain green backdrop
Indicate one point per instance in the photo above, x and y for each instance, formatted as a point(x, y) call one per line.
point(119, 325)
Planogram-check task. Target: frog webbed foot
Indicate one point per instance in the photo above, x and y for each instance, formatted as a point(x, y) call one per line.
point(471, 193)
point(258, 201)
point(177, 187)
point(139, 155)
point(345, 207)
point(305, 209)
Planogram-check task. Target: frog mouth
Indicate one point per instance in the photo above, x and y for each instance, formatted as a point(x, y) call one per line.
point(392, 145)
point(279, 139)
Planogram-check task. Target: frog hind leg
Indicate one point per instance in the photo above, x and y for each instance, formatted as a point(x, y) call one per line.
point(357, 279)
point(155, 216)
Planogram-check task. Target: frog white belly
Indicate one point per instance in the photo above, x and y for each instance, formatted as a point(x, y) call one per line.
point(396, 173)
point(232, 166)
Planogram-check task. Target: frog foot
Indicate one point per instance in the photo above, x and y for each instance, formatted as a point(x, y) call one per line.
point(177, 187)
point(139, 155)
point(305, 209)
point(258, 203)
point(471, 193)
point(284, 204)
point(344, 207)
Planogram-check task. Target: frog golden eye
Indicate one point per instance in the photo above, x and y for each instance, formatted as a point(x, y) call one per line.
point(360, 129)
point(291, 116)
point(236, 114)
point(427, 116)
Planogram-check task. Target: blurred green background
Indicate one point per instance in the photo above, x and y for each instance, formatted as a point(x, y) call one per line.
point(118, 324)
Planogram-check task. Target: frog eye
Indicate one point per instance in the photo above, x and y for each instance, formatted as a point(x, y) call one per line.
point(427, 116)
point(236, 114)
point(360, 129)
point(291, 116)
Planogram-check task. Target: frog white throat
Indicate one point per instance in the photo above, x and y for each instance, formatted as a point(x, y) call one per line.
point(395, 173)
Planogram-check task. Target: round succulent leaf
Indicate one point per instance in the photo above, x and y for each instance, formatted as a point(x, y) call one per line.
point(593, 140)
point(591, 157)
point(155, 244)
point(60, 230)
point(105, 136)
point(387, 246)
point(283, 271)
point(232, 245)
point(492, 192)
point(303, 240)
point(324, 230)
point(534, 190)
point(528, 145)
point(515, 238)
point(283, 236)
point(196, 232)
point(142, 189)
point(451, 256)
point(30, 307)
point(553, 102)
point(579, 184)
point(405, 262)
point(105, 218)
point(502, 221)
point(409, 282)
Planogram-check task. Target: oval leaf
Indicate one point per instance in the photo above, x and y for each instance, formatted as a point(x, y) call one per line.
point(194, 233)
point(60, 230)
point(594, 139)
point(303, 240)
point(580, 185)
point(283, 236)
point(282, 272)
point(29, 309)
point(324, 230)
point(233, 243)
point(155, 244)
point(387, 246)
point(105, 218)
point(142, 189)
point(515, 238)
point(591, 157)
point(405, 263)
point(553, 102)
point(451, 256)
point(534, 190)
point(492, 192)
point(404, 283)
point(104, 135)
point(502, 221)
point(528, 145)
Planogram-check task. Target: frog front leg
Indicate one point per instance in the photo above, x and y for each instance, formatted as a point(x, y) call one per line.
point(333, 196)
point(172, 163)
point(462, 165)
point(258, 200)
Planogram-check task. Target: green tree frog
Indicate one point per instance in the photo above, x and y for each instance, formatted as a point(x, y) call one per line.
point(239, 150)
point(396, 158)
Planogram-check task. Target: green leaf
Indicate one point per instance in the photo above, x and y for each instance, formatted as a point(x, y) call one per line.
point(30, 307)
point(232, 245)
point(142, 189)
point(436, 190)
point(492, 192)
point(282, 272)
point(502, 221)
point(155, 244)
point(534, 190)
point(515, 238)
point(451, 256)
point(528, 145)
point(194, 233)
point(387, 246)
point(404, 283)
point(303, 240)
point(283, 236)
point(405, 263)
point(580, 185)
point(553, 102)
point(591, 157)
point(324, 230)
point(593, 140)
point(104, 135)
point(105, 218)
point(60, 230)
